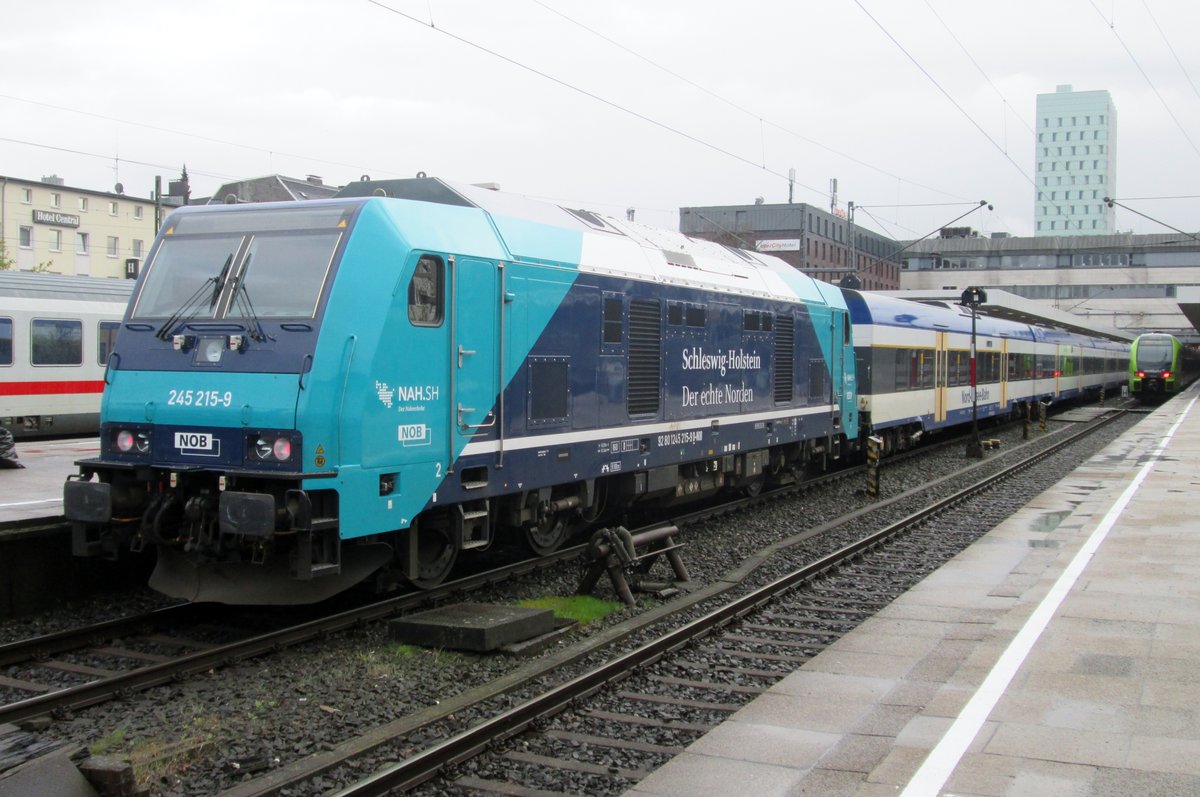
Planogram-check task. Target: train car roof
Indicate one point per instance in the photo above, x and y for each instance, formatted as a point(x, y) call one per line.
point(39, 285)
point(874, 308)
point(606, 245)
point(886, 310)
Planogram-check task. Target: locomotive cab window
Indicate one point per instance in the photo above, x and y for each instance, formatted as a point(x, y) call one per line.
point(56, 342)
point(6, 341)
point(241, 264)
point(425, 292)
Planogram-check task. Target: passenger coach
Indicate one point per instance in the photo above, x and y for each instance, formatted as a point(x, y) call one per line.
point(914, 366)
point(56, 335)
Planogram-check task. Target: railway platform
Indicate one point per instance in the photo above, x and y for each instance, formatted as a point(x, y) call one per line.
point(1057, 655)
point(35, 491)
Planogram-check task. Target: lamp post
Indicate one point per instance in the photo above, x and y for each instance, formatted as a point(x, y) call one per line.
point(972, 298)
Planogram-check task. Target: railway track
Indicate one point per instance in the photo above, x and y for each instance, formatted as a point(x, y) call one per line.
point(134, 653)
point(604, 724)
point(159, 668)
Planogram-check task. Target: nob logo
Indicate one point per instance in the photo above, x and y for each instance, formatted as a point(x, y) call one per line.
point(413, 434)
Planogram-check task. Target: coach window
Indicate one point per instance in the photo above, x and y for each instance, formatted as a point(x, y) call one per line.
point(106, 339)
point(695, 315)
point(425, 292)
point(6, 341)
point(56, 342)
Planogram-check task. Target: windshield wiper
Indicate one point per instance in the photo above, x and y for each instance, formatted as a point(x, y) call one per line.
point(245, 307)
point(193, 303)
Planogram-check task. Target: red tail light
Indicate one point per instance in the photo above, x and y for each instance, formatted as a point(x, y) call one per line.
point(1141, 374)
point(1166, 374)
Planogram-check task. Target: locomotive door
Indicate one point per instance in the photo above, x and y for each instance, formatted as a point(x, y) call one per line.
point(940, 393)
point(475, 344)
point(837, 368)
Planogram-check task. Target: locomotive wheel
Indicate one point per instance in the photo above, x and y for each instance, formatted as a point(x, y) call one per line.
point(546, 537)
point(436, 554)
point(755, 487)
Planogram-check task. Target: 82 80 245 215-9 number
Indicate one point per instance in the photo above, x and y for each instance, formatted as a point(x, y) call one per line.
point(200, 398)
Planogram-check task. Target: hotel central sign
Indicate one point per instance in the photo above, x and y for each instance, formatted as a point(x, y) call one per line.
point(57, 219)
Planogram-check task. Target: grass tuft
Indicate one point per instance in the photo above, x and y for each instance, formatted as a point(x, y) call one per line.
point(580, 608)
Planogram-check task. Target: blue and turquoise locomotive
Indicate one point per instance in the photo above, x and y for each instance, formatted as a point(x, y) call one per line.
point(307, 395)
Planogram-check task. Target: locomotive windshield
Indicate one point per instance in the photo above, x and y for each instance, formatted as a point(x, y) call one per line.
point(212, 265)
point(1154, 354)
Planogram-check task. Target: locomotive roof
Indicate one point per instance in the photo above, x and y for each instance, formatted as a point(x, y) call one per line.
point(613, 246)
point(35, 285)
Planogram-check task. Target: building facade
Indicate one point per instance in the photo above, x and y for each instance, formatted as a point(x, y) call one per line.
point(1129, 282)
point(823, 245)
point(1076, 163)
point(48, 226)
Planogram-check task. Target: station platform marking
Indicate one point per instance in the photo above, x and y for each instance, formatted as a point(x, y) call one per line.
point(946, 754)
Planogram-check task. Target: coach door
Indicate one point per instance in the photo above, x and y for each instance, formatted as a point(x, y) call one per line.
point(1003, 374)
point(476, 342)
point(940, 392)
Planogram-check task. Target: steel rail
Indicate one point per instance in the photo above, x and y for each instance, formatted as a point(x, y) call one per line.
point(426, 764)
point(142, 678)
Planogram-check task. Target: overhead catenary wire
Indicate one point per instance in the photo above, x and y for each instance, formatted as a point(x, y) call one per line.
point(1171, 49)
point(1166, 106)
point(1008, 105)
point(590, 94)
point(174, 132)
point(1113, 202)
point(945, 93)
point(762, 120)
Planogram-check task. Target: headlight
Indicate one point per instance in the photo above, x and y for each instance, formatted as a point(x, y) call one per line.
point(132, 441)
point(269, 447)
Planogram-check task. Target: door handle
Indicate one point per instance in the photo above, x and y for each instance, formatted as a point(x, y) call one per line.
point(463, 353)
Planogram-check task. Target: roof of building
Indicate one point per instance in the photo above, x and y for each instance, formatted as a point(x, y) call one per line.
point(1048, 243)
point(272, 188)
point(74, 189)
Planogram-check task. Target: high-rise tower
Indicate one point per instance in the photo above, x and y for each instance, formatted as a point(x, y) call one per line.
point(1076, 162)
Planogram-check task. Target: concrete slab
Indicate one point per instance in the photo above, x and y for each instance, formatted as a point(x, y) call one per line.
point(479, 627)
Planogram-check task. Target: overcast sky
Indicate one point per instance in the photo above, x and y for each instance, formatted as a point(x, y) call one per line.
point(649, 104)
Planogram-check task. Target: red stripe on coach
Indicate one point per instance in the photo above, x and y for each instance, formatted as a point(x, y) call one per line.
point(56, 388)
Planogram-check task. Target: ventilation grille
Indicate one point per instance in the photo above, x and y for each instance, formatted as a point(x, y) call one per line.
point(785, 351)
point(645, 357)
